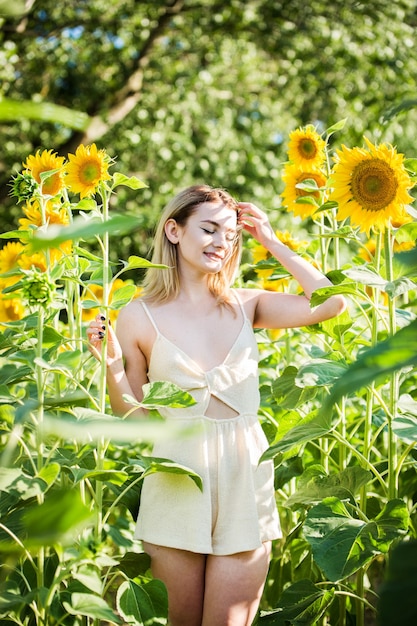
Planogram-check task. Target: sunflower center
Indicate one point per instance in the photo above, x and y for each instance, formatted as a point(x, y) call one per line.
point(90, 172)
point(307, 148)
point(374, 184)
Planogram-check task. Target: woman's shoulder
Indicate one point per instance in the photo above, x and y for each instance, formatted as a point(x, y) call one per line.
point(133, 317)
point(248, 298)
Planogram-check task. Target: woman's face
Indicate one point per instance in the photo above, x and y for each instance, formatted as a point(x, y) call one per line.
point(207, 239)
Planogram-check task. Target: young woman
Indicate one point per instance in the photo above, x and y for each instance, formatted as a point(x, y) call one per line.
point(211, 548)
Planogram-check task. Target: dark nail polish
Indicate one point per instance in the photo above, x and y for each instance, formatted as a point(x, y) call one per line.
point(100, 334)
point(103, 327)
point(102, 318)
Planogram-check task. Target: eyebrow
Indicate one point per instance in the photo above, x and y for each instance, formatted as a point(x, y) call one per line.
point(232, 230)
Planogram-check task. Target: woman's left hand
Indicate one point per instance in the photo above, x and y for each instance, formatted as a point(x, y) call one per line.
point(256, 223)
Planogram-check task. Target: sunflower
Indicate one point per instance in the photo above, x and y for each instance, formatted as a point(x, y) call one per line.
point(38, 260)
point(306, 148)
point(54, 214)
point(10, 255)
point(11, 309)
point(370, 186)
point(86, 169)
point(294, 175)
point(46, 161)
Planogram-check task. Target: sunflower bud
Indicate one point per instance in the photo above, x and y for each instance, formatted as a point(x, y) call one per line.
point(38, 289)
point(24, 187)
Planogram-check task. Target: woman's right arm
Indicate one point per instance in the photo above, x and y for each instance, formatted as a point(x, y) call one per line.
point(126, 363)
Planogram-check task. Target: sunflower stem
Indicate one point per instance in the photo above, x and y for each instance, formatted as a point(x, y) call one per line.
point(394, 378)
point(101, 446)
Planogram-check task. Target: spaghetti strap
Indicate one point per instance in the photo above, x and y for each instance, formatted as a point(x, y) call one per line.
point(151, 319)
point(240, 303)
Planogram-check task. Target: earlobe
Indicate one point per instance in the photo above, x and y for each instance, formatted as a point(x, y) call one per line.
point(171, 230)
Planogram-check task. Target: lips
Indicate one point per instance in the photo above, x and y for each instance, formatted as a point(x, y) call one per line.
point(214, 256)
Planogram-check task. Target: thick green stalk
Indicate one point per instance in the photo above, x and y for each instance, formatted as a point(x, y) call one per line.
point(101, 446)
point(394, 379)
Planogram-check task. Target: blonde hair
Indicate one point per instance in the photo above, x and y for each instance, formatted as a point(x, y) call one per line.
point(162, 285)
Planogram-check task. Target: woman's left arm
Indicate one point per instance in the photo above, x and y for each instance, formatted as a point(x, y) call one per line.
point(277, 310)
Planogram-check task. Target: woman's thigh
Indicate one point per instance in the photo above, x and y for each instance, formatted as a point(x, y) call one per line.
point(183, 574)
point(233, 587)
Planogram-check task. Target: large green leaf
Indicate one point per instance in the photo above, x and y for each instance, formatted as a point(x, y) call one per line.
point(341, 544)
point(287, 392)
point(307, 430)
point(319, 373)
point(143, 605)
point(301, 604)
point(12, 110)
point(122, 296)
point(162, 393)
point(395, 353)
point(84, 229)
point(91, 605)
point(343, 485)
point(154, 464)
point(56, 519)
point(93, 426)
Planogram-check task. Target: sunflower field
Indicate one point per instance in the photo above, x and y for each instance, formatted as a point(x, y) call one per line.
point(339, 400)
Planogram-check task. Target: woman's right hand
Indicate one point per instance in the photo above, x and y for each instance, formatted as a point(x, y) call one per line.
point(96, 331)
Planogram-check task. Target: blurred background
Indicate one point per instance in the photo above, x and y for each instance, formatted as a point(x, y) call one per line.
point(185, 91)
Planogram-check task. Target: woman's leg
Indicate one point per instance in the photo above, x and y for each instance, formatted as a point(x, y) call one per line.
point(233, 587)
point(183, 574)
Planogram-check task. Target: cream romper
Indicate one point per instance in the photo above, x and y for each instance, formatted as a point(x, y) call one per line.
point(236, 510)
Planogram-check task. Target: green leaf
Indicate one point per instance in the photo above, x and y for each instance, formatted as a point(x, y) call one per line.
point(393, 521)
point(393, 111)
point(405, 263)
point(405, 428)
point(324, 293)
point(284, 389)
point(95, 425)
point(302, 603)
point(335, 127)
point(122, 296)
point(342, 544)
point(128, 181)
point(143, 605)
point(365, 276)
point(134, 563)
point(343, 485)
point(307, 430)
point(408, 232)
point(161, 393)
point(137, 262)
point(399, 286)
point(89, 576)
point(61, 513)
point(116, 477)
point(319, 373)
point(395, 353)
point(12, 110)
point(153, 465)
point(91, 606)
point(84, 229)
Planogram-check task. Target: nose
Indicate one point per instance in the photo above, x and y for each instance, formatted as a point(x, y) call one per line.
point(220, 240)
